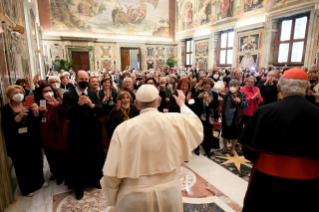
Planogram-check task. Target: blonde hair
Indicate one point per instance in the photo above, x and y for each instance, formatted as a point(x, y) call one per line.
point(122, 94)
point(12, 87)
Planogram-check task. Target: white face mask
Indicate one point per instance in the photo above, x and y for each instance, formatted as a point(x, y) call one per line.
point(50, 94)
point(163, 85)
point(18, 97)
point(125, 106)
point(233, 89)
point(256, 75)
point(216, 76)
point(56, 86)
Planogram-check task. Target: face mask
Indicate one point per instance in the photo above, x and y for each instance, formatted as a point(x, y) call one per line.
point(50, 94)
point(83, 84)
point(18, 97)
point(56, 86)
point(163, 85)
point(256, 75)
point(216, 76)
point(125, 106)
point(233, 89)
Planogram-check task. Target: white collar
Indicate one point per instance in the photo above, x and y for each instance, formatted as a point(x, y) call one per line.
point(80, 92)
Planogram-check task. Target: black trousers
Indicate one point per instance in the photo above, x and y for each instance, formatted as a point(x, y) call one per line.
point(208, 135)
point(56, 159)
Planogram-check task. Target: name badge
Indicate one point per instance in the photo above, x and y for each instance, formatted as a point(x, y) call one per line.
point(23, 130)
point(44, 119)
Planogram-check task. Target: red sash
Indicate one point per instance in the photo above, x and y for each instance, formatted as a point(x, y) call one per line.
point(288, 167)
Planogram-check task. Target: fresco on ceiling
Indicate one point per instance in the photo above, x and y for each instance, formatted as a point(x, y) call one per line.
point(194, 13)
point(134, 17)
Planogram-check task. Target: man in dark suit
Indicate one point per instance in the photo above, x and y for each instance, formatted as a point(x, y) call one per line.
point(84, 141)
point(268, 88)
point(281, 140)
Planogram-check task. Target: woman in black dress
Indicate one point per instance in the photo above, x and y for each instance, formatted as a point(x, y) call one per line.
point(21, 131)
point(207, 104)
point(233, 108)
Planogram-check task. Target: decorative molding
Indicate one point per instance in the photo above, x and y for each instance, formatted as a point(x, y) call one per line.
point(251, 27)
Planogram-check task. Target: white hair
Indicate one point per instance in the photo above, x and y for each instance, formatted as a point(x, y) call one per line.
point(163, 78)
point(143, 105)
point(53, 78)
point(127, 79)
point(293, 86)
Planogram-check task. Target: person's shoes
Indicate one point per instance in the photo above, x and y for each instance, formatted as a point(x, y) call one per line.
point(52, 178)
point(232, 154)
point(237, 145)
point(45, 185)
point(196, 152)
point(224, 152)
point(208, 154)
point(59, 181)
point(30, 195)
point(79, 194)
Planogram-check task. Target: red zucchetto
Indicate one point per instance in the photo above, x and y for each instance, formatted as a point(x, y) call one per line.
point(296, 73)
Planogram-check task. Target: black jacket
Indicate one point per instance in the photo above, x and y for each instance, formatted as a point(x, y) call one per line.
point(268, 92)
point(107, 107)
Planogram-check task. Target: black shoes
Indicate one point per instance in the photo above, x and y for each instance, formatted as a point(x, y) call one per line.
point(79, 194)
point(196, 152)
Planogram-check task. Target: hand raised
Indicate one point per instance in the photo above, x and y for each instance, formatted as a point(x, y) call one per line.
point(52, 101)
point(34, 107)
point(180, 99)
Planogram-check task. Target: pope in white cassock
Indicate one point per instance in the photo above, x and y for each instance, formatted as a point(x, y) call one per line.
point(140, 172)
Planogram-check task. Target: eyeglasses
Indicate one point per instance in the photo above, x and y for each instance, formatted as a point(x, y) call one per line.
point(250, 82)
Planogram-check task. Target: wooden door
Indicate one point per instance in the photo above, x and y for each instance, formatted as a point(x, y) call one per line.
point(81, 61)
point(125, 58)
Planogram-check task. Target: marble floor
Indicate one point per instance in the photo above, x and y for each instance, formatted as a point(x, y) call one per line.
point(206, 186)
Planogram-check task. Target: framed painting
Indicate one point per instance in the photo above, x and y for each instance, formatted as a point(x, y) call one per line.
point(201, 63)
point(249, 43)
point(160, 64)
point(248, 60)
point(17, 56)
point(150, 51)
point(160, 52)
point(107, 64)
point(106, 52)
point(8, 52)
point(201, 49)
point(204, 11)
point(150, 63)
point(4, 73)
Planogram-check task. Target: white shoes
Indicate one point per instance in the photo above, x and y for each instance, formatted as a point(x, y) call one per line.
point(45, 185)
point(30, 195)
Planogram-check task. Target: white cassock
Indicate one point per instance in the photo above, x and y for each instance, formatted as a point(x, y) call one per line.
point(142, 161)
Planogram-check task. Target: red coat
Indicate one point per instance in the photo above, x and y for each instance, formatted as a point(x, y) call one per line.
point(253, 103)
point(53, 128)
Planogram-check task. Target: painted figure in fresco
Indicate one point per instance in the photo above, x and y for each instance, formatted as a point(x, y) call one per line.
point(247, 61)
point(202, 14)
point(226, 8)
point(188, 15)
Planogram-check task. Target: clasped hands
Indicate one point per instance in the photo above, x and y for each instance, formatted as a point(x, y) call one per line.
point(85, 100)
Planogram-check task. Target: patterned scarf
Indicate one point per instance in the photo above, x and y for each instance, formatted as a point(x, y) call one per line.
point(126, 113)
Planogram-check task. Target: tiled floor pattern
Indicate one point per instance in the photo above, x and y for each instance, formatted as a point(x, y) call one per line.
point(202, 189)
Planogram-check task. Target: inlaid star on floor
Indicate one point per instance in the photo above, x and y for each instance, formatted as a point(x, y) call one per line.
point(237, 160)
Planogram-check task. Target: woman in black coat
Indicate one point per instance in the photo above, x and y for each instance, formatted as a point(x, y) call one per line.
point(123, 111)
point(183, 85)
point(207, 104)
point(21, 132)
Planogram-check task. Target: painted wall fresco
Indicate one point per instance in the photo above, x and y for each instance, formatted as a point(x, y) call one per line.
point(194, 13)
point(156, 56)
point(4, 71)
point(249, 48)
point(12, 10)
point(105, 56)
point(133, 17)
point(201, 53)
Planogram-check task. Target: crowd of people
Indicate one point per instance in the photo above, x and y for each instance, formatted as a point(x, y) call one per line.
point(73, 115)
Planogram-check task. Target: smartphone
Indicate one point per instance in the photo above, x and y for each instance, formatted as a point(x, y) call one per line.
point(29, 101)
point(43, 103)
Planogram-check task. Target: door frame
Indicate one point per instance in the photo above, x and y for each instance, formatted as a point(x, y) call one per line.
point(90, 49)
point(139, 57)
